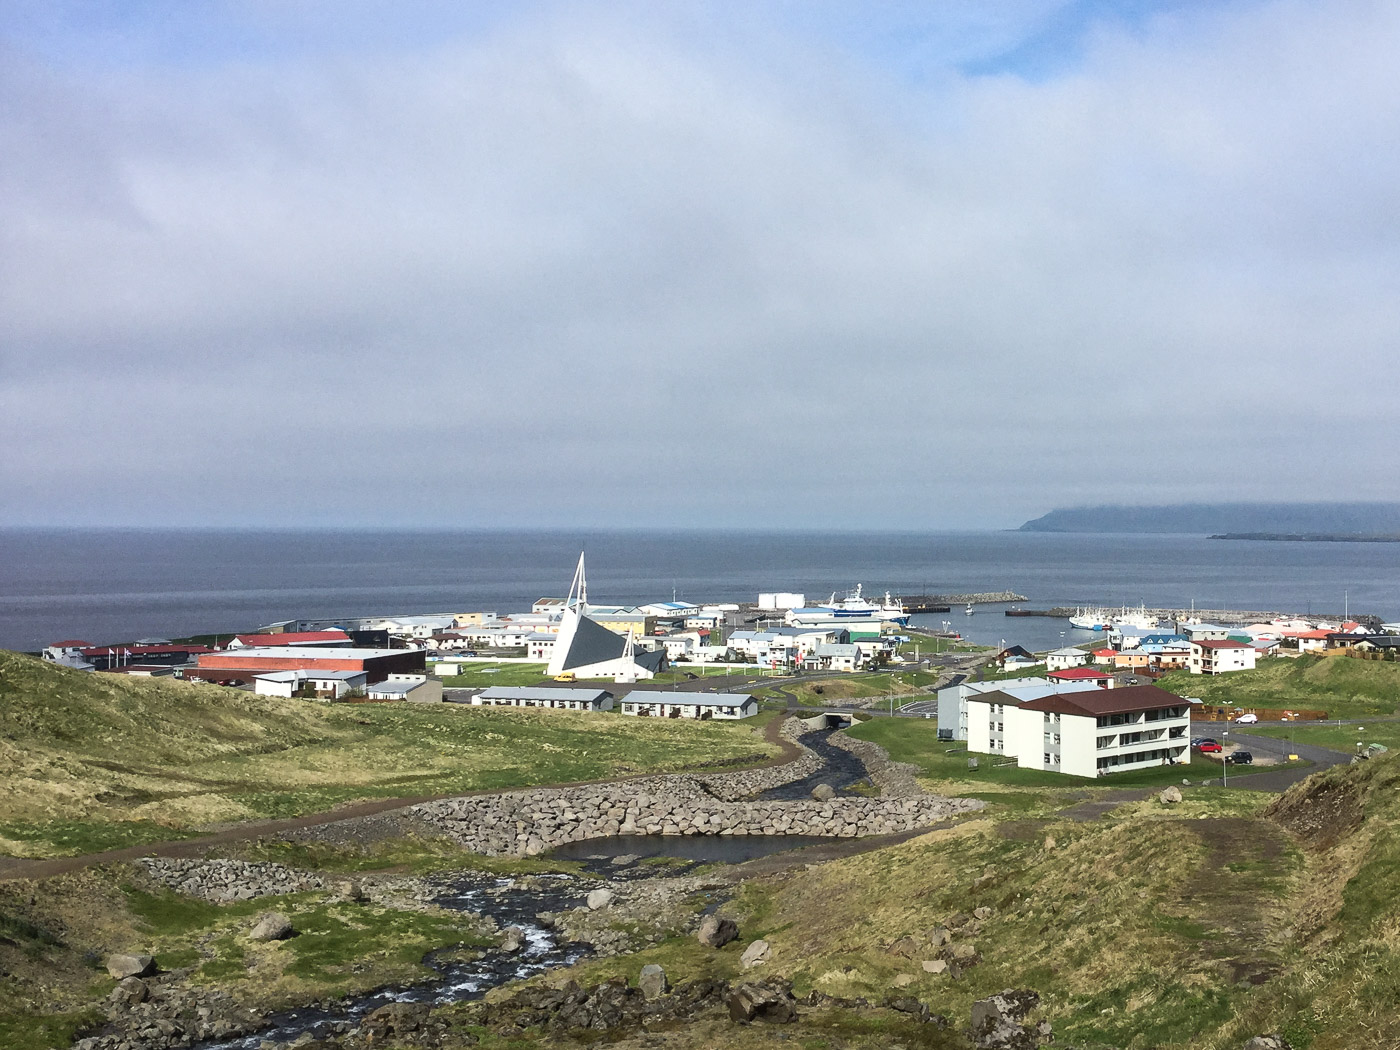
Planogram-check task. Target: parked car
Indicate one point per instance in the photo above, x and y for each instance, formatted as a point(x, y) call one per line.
point(1210, 747)
point(1197, 741)
point(1240, 758)
point(1247, 719)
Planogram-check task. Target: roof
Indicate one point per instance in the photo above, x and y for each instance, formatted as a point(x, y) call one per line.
point(1098, 702)
point(71, 643)
point(1105, 652)
point(664, 696)
point(1225, 643)
point(1079, 673)
point(591, 643)
point(1070, 650)
point(146, 650)
point(544, 692)
point(292, 638)
point(836, 649)
point(311, 652)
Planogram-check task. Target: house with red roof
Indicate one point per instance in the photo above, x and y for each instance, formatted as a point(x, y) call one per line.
point(1102, 679)
point(1087, 733)
point(265, 641)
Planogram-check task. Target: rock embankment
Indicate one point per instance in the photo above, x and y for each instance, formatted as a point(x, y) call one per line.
point(894, 779)
point(526, 823)
point(746, 783)
point(224, 881)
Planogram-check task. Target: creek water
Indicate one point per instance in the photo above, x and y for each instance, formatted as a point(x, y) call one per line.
point(510, 902)
point(456, 979)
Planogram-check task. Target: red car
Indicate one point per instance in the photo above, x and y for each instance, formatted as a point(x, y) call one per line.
point(1210, 746)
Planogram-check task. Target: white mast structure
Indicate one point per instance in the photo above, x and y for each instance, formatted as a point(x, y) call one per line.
point(575, 606)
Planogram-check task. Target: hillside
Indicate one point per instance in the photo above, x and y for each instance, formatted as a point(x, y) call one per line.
point(1343, 687)
point(1207, 518)
point(91, 761)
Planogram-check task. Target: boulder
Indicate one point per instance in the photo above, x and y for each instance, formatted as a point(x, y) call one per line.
point(823, 792)
point(271, 926)
point(905, 948)
point(716, 932)
point(512, 940)
point(395, 1019)
point(996, 1021)
point(904, 980)
point(756, 954)
point(939, 936)
point(120, 966)
point(1050, 842)
point(351, 890)
point(934, 966)
point(983, 912)
point(130, 990)
point(599, 899)
point(768, 1001)
point(1170, 796)
point(652, 982)
point(1268, 1042)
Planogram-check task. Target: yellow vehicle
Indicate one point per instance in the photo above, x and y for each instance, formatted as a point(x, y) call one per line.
point(567, 676)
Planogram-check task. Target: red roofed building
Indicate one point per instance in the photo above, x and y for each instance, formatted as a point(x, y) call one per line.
point(1221, 657)
point(107, 657)
point(263, 641)
point(1083, 674)
point(1089, 733)
point(243, 664)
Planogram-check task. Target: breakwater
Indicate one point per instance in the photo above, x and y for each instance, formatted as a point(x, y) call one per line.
point(1223, 617)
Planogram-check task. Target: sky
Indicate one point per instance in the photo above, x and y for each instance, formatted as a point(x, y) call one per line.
point(786, 264)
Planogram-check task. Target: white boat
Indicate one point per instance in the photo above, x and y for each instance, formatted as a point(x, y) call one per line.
point(850, 608)
point(1090, 620)
point(1138, 619)
point(970, 610)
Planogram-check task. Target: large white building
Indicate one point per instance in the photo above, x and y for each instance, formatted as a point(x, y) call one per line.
point(1064, 659)
point(1221, 657)
point(649, 703)
point(559, 697)
point(953, 699)
point(1090, 733)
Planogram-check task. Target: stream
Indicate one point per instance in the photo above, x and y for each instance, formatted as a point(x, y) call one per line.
point(516, 903)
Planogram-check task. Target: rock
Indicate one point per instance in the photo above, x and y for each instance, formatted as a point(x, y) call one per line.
point(272, 926)
point(652, 982)
point(351, 890)
point(964, 952)
point(939, 936)
point(934, 966)
point(996, 1021)
point(768, 1001)
point(907, 1005)
point(982, 882)
point(1268, 1042)
point(823, 792)
point(120, 966)
point(756, 954)
point(1050, 842)
point(983, 912)
point(905, 948)
point(716, 932)
point(904, 980)
point(130, 990)
point(624, 860)
point(512, 940)
point(1170, 796)
point(599, 899)
point(395, 1019)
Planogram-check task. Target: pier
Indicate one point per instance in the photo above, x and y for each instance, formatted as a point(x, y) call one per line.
point(1223, 617)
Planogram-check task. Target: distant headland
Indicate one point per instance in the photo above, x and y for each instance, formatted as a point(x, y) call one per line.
point(1340, 522)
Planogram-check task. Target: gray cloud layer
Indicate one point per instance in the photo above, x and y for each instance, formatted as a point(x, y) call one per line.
point(659, 270)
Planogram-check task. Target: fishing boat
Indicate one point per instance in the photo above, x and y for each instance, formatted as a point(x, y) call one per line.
point(1091, 620)
point(852, 607)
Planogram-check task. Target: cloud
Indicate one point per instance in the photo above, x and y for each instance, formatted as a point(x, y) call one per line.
point(585, 266)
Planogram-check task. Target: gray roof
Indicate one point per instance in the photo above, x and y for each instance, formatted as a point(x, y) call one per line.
point(679, 699)
point(836, 649)
point(544, 692)
point(592, 643)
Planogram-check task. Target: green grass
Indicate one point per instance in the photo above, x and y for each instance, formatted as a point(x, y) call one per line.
point(485, 673)
point(840, 687)
point(28, 1032)
point(1339, 738)
point(1339, 685)
point(94, 761)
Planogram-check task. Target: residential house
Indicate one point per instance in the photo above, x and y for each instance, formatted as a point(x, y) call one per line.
point(554, 697)
point(415, 688)
point(647, 703)
point(1221, 657)
point(1063, 659)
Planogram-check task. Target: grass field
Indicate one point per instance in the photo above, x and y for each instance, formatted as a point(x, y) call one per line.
point(860, 686)
point(1343, 687)
point(1339, 738)
point(89, 761)
point(488, 673)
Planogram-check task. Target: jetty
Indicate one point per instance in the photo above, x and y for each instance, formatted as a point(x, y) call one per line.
point(1223, 617)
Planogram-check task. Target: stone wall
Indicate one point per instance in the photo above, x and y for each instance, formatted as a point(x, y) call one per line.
point(746, 783)
point(530, 822)
point(894, 779)
point(222, 881)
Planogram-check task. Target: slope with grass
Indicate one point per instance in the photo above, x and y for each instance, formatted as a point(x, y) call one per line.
point(1339, 685)
point(92, 761)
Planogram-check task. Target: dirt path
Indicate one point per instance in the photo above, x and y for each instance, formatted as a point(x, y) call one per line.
point(25, 868)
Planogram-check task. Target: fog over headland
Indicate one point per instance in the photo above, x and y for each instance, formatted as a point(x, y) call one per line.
point(686, 264)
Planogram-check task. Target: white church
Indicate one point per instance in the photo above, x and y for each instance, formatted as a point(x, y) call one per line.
point(587, 649)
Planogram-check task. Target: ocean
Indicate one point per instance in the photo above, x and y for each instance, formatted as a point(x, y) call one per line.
point(110, 585)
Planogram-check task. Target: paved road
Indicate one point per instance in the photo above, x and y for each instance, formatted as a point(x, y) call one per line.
point(1282, 779)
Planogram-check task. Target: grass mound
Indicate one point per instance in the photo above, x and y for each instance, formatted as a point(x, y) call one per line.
point(92, 761)
point(1341, 686)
